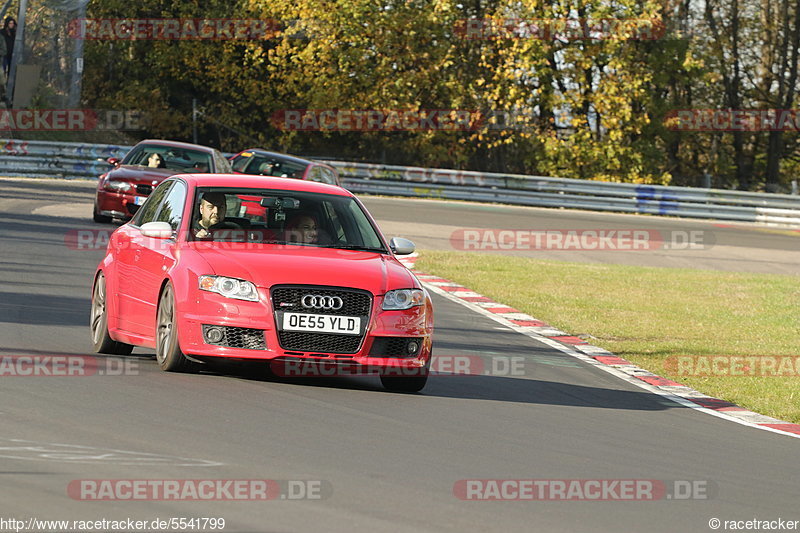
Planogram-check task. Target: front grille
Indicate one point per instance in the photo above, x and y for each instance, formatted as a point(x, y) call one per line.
point(144, 189)
point(394, 346)
point(356, 303)
point(233, 337)
point(319, 342)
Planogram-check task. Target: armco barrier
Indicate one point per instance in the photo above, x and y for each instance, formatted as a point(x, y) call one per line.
point(49, 159)
point(81, 160)
point(776, 209)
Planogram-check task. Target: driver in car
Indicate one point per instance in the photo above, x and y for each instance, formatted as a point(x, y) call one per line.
point(156, 161)
point(212, 215)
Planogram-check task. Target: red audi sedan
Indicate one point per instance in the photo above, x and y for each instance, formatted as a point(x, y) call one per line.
point(310, 280)
point(124, 188)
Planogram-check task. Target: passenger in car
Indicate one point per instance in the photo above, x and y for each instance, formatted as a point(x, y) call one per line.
point(302, 228)
point(212, 216)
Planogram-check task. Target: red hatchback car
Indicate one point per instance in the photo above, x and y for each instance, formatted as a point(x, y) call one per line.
point(124, 188)
point(310, 280)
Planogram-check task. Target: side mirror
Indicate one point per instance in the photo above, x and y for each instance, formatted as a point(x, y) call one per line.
point(114, 161)
point(401, 246)
point(157, 230)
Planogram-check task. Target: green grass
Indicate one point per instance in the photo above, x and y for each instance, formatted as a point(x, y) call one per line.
point(648, 315)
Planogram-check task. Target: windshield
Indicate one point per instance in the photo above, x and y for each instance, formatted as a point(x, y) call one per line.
point(177, 159)
point(282, 217)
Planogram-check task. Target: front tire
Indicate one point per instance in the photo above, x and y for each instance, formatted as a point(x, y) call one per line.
point(168, 350)
point(100, 219)
point(101, 340)
point(406, 383)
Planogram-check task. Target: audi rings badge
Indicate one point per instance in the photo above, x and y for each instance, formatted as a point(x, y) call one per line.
point(328, 303)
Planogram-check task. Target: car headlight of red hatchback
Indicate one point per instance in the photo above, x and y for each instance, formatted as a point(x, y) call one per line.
point(118, 186)
point(400, 299)
point(238, 289)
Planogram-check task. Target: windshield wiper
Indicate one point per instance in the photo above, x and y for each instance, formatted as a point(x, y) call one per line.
point(358, 247)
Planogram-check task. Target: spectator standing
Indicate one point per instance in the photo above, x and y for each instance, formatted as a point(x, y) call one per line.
point(9, 32)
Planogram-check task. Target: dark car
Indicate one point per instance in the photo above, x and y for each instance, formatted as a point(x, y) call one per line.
point(121, 190)
point(260, 162)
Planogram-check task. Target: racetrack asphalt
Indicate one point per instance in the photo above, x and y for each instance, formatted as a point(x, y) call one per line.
point(389, 461)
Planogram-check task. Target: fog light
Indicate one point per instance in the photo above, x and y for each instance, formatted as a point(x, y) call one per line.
point(413, 347)
point(214, 334)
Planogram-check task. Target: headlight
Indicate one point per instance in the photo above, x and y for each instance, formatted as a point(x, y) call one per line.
point(118, 186)
point(403, 299)
point(229, 287)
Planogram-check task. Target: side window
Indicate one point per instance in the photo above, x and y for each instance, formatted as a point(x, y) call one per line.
point(147, 213)
point(240, 162)
point(315, 174)
point(328, 176)
point(133, 155)
point(172, 208)
point(255, 164)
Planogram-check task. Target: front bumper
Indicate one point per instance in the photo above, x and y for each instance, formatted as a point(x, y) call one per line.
point(115, 204)
point(248, 320)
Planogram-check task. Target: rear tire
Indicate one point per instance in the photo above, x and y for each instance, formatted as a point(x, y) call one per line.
point(168, 349)
point(101, 340)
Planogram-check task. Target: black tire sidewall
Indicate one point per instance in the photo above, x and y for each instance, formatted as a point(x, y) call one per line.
point(173, 359)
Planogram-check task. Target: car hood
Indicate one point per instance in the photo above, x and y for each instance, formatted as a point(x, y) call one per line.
point(268, 265)
point(143, 174)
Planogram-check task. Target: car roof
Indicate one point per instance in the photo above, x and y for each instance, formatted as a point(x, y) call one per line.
point(261, 151)
point(176, 144)
point(261, 182)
